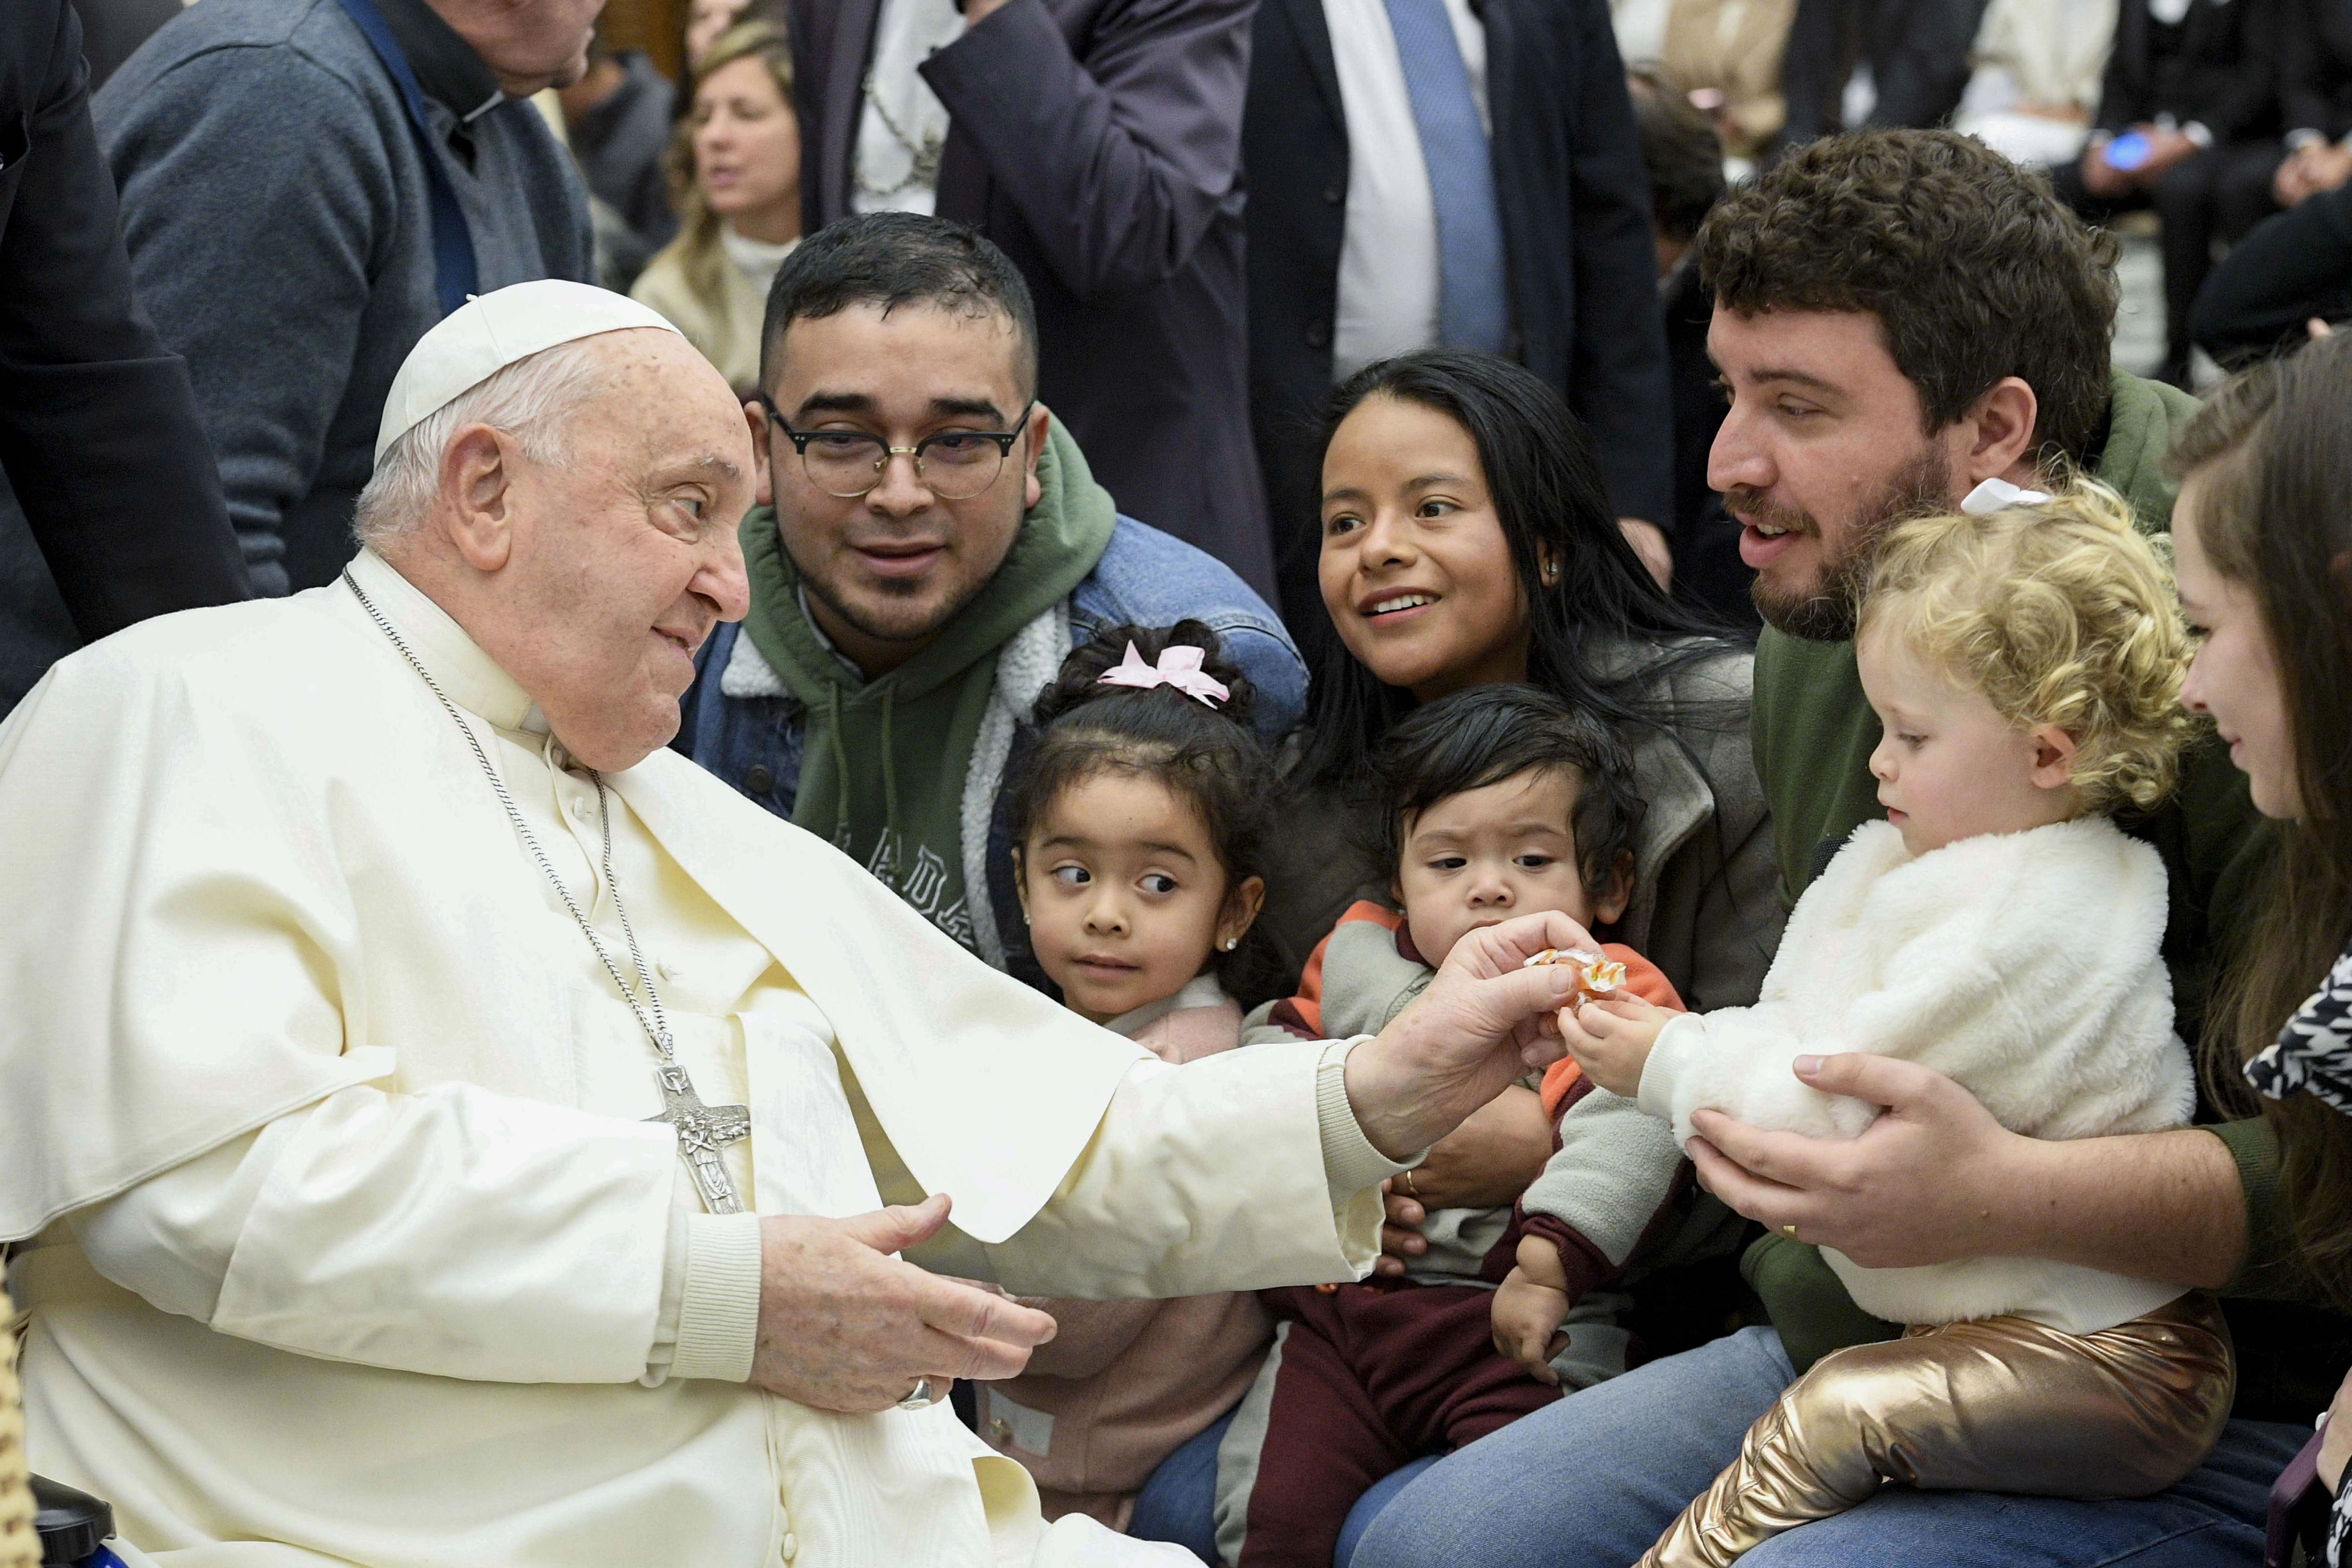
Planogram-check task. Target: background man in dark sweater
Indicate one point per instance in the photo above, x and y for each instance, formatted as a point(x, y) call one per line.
point(280, 215)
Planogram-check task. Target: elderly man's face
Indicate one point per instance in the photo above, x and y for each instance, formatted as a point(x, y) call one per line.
point(621, 561)
point(885, 570)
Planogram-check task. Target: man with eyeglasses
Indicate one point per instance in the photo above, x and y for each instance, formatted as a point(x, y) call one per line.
point(930, 544)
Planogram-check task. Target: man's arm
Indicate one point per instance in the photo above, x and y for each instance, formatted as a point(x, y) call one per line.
point(98, 428)
point(1936, 1178)
point(1263, 1166)
point(1118, 164)
point(1618, 381)
point(256, 199)
point(1157, 1206)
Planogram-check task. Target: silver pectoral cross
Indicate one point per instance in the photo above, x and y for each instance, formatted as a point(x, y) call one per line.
point(701, 1129)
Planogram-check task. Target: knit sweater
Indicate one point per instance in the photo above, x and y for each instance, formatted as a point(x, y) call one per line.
point(278, 215)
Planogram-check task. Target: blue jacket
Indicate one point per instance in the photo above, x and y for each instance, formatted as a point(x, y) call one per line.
point(1145, 578)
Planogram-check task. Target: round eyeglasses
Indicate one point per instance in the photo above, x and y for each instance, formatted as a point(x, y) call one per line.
point(954, 465)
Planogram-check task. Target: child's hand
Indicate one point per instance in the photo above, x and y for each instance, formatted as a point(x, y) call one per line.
point(1529, 1308)
point(1611, 1039)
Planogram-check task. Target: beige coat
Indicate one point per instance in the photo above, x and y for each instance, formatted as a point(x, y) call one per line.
point(1734, 47)
point(725, 331)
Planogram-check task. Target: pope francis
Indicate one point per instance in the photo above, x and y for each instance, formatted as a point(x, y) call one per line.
point(441, 1126)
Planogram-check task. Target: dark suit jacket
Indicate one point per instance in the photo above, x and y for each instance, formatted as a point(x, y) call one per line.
point(1098, 143)
point(1576, 231)
point(98, 428)
point(2316, 66)
point(2225, 75)
point(1917, 51)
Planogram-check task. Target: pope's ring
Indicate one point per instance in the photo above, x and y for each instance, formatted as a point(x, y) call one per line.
point(1790, 1231)
point(923, 1398)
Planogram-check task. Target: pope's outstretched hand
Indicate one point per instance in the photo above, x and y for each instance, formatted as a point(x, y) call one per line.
point(1484, 1022)
point(845, 1326)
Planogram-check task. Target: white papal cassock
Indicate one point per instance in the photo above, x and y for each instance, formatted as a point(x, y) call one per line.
point(351, 1243)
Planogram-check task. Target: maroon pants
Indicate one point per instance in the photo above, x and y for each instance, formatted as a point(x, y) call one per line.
point(1371, 1377)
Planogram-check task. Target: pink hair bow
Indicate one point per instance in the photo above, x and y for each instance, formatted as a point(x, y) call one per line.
point(1179, 666)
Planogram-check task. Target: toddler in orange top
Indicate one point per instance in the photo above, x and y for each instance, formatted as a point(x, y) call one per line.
point(1500, 801)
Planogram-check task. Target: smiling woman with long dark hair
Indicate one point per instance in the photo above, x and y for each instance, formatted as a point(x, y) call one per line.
point(1537, 580)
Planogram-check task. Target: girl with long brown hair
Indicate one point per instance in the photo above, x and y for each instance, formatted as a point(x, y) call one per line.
point(2263, 535)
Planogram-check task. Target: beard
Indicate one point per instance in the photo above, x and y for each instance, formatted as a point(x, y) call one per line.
point(1830, 611)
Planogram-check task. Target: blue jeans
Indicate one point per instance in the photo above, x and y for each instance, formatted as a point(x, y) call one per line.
point(1592, 1481)
point(1179, 1501)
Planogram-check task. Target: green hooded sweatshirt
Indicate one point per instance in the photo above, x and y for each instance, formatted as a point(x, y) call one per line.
point(883, 762)
point(1814, 731)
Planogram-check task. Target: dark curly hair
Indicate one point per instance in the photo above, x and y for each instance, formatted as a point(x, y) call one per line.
point(1489, 733)
point(1973, 268)
point(1208, 757)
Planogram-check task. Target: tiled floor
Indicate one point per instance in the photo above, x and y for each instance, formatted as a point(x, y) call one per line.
point(2139, 320)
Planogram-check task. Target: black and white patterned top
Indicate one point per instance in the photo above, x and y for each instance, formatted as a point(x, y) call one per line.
point(2313, 1055)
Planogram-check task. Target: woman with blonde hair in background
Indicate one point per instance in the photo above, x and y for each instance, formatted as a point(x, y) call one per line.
point(735, 172)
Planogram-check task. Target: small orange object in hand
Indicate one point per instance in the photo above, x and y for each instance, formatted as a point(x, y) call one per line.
point(1596, 976)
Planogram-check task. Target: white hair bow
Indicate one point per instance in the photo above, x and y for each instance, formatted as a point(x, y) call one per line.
point(1179, 666)
point(1994, 495)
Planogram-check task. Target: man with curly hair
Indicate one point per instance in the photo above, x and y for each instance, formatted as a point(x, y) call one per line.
point(1903, 320)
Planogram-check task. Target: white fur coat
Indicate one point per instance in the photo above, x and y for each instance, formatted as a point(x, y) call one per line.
point(2023, 965)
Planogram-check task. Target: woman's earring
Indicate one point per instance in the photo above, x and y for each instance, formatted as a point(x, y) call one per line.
point(1232, 942)
point(1550, 575)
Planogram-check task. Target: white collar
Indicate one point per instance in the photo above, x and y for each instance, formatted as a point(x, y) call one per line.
point(471, 679)
point(756, 259)
point(1200, 991)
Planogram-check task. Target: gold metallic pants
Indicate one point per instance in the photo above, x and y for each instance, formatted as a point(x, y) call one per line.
point(1995, 1404)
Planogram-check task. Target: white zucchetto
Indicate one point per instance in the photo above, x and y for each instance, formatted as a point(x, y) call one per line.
point(491, 331)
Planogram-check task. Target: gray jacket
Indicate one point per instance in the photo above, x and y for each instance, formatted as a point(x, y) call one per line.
point(1705, 907)
point(277, 211)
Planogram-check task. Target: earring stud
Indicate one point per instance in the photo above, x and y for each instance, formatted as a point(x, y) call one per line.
point(1232, 942)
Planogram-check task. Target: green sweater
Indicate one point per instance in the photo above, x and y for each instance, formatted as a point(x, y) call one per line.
point(1814, 731)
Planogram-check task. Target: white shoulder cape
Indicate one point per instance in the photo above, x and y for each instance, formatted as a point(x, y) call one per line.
point(229, 836)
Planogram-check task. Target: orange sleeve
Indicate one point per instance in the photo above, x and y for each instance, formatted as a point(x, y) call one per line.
point(1645, 980)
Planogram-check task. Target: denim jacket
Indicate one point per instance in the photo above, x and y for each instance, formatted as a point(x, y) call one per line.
point(1145, 578)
